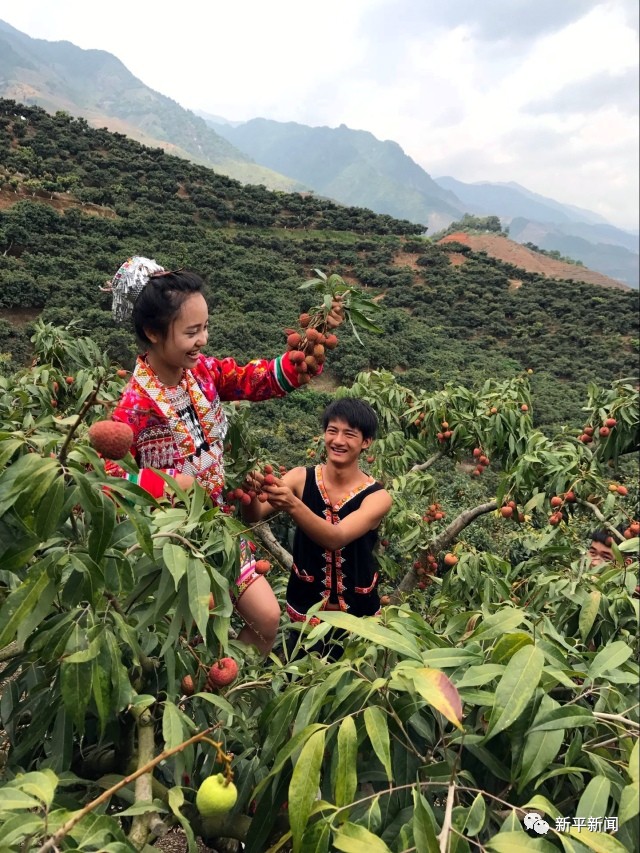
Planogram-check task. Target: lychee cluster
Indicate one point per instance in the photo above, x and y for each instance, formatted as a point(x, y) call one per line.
point(434, 513)
point(482, 461)
point(112, 439)
point(510, 510)
point(446, 433)
point(587, 434)
point(307, 347)
point(246, 495)
point(425, 570)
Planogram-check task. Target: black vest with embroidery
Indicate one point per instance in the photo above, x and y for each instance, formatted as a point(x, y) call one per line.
point(348, 577)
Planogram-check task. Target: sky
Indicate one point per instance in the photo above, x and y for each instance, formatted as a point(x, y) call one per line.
point(540, 92)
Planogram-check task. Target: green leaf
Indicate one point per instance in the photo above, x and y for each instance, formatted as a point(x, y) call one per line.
point(220, 702)
point(39, 783)
point(609, 658)
point(346, 775)
point(508, 645)
point(498, 624)
point(567, 717)
point(17, 829)
point(103, 520)
point(14, 799)
point(375, 721)
point(539, 803)
point(424, 824)
point(476, 816)
point(50, 510)
point(370, 628)
point(515, 688)
point(175, 799)
point(175, 559)
point(75, 685)
point(27, 605)
point(594, 799)
point(174, 730)
point(316, 837)
point(353, 838)
point(304, 785)
point(598, 841)
point(588, 613)
point(475, 676)
point(629, 802)
point(634, 762)
point(519, 842)
point(199, 587)
point(540, 748)
point(289, 749)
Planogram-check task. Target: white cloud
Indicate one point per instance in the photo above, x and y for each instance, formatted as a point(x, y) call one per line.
point(466, 88)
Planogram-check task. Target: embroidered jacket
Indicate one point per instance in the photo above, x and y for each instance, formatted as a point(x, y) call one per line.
point(159, 414)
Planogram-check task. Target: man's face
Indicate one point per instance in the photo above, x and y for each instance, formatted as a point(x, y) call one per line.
point(344, 443)
point(599, 554)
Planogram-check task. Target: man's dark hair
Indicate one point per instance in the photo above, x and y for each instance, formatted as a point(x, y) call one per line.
point(357, 413)
point(161, 300)
point(604, 537)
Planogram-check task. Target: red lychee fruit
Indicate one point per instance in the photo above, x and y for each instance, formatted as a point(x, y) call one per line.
point(622, 490)
point(506, 511)
point(122, 374)
point(610, 422)
point(570, 497)
point(262, 566)
point(477, 452)
point(269, 480)
point(604, 431)
point(524, 408)
point(450, 560)
point(70, 380)
point(304, 320)
point(293, 340)
point(589, 430)
point(331, 342)
point(556, 501)
point(385, 600)
point(296, 356)
point(313, 336)
point(222, 673)
point(268, 469)
point(112, 439)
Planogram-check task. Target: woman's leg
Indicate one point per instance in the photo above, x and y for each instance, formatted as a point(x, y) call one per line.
point(260, 611)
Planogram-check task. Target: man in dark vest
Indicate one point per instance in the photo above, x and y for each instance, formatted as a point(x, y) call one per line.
point(337, 509)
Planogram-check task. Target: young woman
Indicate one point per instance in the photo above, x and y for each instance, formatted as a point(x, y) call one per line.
point(173, 404)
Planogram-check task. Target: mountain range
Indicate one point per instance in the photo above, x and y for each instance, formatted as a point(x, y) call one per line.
point(350, 166)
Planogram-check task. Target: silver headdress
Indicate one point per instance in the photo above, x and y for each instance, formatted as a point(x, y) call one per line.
point(128, 283)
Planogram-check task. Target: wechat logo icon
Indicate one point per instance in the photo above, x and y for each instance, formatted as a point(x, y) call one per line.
point(538, 824)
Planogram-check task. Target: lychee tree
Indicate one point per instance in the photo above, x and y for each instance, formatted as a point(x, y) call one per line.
point(509, 688)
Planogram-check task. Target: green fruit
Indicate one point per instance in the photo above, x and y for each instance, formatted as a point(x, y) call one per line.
point(215, 796)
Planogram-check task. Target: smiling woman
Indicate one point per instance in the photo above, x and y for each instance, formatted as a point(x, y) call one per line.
point(173, 404)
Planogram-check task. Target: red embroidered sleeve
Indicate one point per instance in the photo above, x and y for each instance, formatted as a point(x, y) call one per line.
point(261, 379)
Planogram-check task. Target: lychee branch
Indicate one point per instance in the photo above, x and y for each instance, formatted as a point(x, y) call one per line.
point(88, 403)
point(53, 842)
point(594, 509)
point(441, 542)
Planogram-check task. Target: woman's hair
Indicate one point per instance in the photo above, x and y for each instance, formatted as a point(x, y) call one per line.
point(357, 413)
point(161, 300)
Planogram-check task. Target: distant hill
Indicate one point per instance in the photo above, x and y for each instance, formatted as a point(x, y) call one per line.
point(75, 201)
point(94, 84)
point(572, 231)
point(503, 249)
point(350, 166)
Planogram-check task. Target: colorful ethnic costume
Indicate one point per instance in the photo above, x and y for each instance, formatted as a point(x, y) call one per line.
point(345, 579)
point(181, 428)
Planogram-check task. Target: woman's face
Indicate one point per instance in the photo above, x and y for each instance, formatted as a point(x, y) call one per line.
point(186, 336)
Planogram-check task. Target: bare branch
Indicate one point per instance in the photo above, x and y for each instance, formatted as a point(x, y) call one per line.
point(422, 466)
point(594, 509)
point(443, 541)
point(270, 543)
